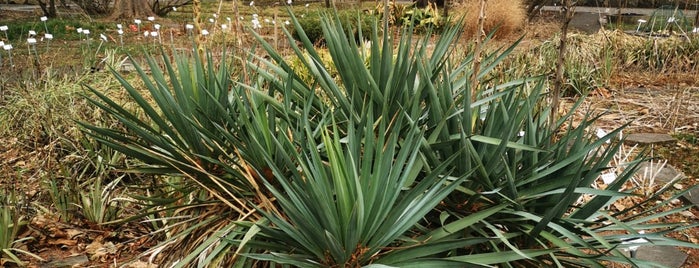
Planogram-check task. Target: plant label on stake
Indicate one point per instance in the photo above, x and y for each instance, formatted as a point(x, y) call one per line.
point(640, 22)
point(8, 48)
point(31, 45)
point(138, 24)
point(189, 28)
point(86, 32)
point(155, 35)
point(44, 19)
point(121, 37)
point(4, 29)
point(157, 29)
point(48, 38)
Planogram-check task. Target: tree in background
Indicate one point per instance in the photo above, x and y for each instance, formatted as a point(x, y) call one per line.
point(533, 6)
point(48, 7)
point(129, 9)
point(94, 7)
point(162, 8)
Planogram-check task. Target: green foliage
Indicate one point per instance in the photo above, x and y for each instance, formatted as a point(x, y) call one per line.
point(11, 222)
point(184, 124)
point(390, 159)
point(424, 18)
point(311, 24)
point(61, 29)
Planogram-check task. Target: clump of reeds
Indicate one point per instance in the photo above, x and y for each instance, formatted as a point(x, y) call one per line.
point(508, 17)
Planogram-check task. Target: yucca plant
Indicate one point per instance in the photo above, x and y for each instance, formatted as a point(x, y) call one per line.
point(527, 174)
point(391, 163)
point(175, 131)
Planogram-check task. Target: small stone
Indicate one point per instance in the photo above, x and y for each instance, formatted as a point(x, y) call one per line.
point(665, 255)
point(659, 172)
point(72, 261)
point(688, 214)
point(693, 196)
point(649, 138)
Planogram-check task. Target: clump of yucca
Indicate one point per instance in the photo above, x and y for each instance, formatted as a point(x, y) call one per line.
point(508, 17)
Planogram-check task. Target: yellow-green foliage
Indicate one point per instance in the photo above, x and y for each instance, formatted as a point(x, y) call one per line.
point(508, 17)
point(306, 76)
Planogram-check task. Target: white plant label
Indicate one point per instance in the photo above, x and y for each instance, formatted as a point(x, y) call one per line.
point(31, 40)
point(44, 18)
point(608, 178)
point(137, 21)
point(211, 20)
point(153, 34)
point(120, 31)
point(151, 18)
point(103, 37)
point(601, 133)
point(223, 26)
point(157, 26)
point(3, 28)
point(119, 26)
point(2, 44)
point(86, 31)
point(204, 32)
point(48, 36)
point(80, 30)
point(7, 47)
point(189, 26)
point(32, 32)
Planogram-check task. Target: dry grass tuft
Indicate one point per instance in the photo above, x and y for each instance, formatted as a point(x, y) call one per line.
point(509, 17)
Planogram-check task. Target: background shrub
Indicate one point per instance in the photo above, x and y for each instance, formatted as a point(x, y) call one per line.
point(310, 23)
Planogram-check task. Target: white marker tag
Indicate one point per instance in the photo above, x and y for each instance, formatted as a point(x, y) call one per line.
point(608, 178)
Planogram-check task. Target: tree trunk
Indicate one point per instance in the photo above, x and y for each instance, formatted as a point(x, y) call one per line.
point(49, 8)
point(131, 9)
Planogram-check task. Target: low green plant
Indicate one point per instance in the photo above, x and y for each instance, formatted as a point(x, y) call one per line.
point(429, 17)
point(63, 196)
point(97, 203)
point(11, 223)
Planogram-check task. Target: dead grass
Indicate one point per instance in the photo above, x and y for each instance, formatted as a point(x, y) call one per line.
point(508, 17)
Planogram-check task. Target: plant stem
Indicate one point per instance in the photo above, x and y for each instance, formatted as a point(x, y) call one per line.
point(569, 10)
point(480, 37)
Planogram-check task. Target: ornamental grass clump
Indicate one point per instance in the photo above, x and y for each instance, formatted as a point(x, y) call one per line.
point(505, 18)
point(389, 160)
